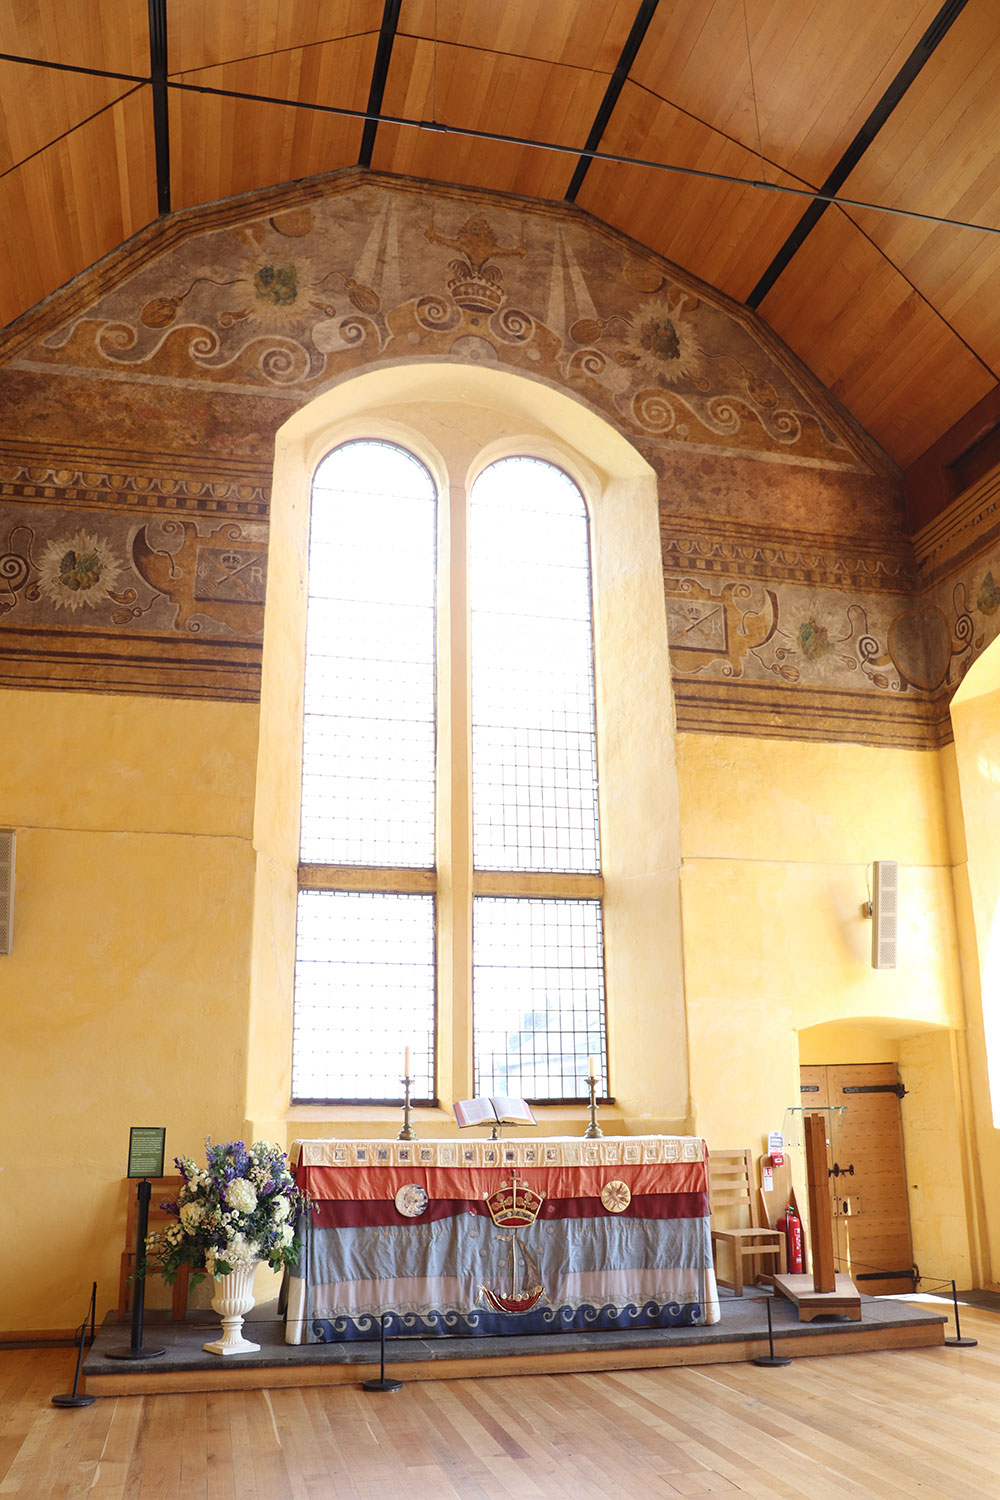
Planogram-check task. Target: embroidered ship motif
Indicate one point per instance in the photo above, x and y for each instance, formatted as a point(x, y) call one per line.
point(514, 1206)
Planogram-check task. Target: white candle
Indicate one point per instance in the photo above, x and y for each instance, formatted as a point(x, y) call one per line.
point(406, 1062)
point(591, 1070)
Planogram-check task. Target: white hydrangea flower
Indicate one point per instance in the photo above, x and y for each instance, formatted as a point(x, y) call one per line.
point(280, 1209)
point(285, 1236)
point(240, 1250)
point(191, 1216)
point(242, 1195)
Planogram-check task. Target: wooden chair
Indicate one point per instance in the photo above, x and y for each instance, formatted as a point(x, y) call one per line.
point(162, 1188)
point(731, 1198)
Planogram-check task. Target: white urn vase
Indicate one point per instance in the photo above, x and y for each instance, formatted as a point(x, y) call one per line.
point(233, 1299)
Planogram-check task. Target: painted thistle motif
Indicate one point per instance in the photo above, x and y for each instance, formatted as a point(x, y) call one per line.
point(663, 344)
point(814, 640)
point(78, 572)
point(278, 285)
point(989, 595)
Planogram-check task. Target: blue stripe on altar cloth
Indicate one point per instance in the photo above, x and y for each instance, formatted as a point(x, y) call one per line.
point(468, 1246)
point(606, 1272)
point(434, 1323)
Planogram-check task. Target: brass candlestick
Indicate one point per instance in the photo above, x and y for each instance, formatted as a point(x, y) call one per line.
point(407, 1133)
point(593, 1130)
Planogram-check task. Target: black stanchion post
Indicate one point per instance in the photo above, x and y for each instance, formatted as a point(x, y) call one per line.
point(381, 1384)
point(135, 1349)
point(770, 1359)
point(958, 1342)
point(73, 1398)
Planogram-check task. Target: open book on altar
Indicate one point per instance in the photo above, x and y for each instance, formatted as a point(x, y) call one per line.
point(497, 1110)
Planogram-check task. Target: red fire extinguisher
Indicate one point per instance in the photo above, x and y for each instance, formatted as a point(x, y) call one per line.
point(792, 1226)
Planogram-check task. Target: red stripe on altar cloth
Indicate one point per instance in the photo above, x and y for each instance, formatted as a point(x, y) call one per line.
point(373, 1182)
point(353, 1213)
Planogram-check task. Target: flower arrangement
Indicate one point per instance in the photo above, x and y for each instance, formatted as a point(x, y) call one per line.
point(242, 1208)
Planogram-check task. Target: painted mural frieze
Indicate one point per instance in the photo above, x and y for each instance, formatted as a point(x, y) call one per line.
point(740, 551)
point(140, 408)
point(55, 476)
point(295, 300)
point(164, 575)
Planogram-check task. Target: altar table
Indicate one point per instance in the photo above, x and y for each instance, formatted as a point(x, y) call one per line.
point(497, 1237)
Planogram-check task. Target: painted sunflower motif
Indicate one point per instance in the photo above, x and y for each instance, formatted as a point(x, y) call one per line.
point(77, 572)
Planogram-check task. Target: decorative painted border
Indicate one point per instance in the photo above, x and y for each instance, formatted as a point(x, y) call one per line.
point(609, 1151)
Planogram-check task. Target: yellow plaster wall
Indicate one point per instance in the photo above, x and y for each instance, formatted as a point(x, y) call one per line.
point(941, 1179)
point(124, 1001)
point(975, 717)
point(845, 1041)
point(776, 839)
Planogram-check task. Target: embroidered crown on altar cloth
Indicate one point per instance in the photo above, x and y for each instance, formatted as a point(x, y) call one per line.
point(514, 1204)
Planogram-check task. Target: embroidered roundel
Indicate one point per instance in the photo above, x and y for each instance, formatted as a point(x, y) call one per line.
point(411, 1200)
point(615, 1196)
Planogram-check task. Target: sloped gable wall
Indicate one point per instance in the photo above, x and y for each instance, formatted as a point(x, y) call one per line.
point(138, 409)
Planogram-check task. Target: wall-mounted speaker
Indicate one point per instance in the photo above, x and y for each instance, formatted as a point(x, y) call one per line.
point(885, 913)
point(7, 841)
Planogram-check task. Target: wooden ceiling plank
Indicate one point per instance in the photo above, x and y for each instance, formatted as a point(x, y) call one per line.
point(188, 44)
point(818, 69)
point(586, 34)
point(53, 235)
point(498, 93)
point(240, 142)
point(212, 33)
point(722, 232)
point(23, 284)
point(7, 157)
point(955, 269)
point(94, 33)
point(137, 171)
point(39, 106)
point(854, 150)
point(870, 338)
point(640, 26)
point(938, 154)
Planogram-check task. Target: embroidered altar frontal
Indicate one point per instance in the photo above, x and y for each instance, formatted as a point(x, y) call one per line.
point(494, 1237)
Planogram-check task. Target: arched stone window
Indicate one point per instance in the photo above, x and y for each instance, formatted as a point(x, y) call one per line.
point(460, 428)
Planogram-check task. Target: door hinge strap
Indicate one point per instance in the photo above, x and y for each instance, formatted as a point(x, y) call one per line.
point(876, 1088)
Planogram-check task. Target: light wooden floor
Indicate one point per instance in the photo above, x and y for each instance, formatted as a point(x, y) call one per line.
point(921, 1423)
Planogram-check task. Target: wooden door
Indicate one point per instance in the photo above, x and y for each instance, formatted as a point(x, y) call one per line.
point(871, 1211)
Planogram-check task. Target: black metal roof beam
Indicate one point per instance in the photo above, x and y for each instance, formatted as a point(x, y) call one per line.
point(380, 72)
point(611, 94)
point(161, 114)
point(921, 54)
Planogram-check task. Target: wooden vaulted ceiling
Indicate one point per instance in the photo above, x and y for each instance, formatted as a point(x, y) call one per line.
point(678, 122)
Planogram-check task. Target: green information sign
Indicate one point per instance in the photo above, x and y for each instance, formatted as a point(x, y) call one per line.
point(145, 1150)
